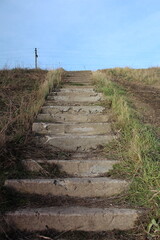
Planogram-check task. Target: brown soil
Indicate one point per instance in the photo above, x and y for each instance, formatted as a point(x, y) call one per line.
point(146, 100)
point(74, 235)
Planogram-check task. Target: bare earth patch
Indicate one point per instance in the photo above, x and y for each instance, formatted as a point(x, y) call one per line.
point(146, 100)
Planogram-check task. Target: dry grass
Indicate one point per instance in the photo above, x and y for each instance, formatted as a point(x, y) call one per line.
point(22, 93)
point(150, 76)
point(19, 88)
point(138, 148)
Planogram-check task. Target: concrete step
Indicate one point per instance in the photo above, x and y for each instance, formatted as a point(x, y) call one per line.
point(80, 72)
point(73, 187)
point(65, 103)
point(73, 97)
point(76, 92)
point(79, 89)
point(75, 83)
point(73, 109)
point(68, 117)
point(79, 83)
point(76, 168)
point(65, 86)
point(79, 78)
point(72, 142)
point(72, 219)
point(70, 128)
point(87, 155)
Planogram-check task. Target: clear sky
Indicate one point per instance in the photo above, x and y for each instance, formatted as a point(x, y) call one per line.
point(80, 34)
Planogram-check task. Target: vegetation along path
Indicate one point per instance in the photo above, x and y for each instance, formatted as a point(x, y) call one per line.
point(74, 123)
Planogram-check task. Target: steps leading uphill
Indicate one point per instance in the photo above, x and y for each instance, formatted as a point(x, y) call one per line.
point(73, 121)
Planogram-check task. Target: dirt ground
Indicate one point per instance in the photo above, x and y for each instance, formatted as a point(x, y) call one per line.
point(146, 100)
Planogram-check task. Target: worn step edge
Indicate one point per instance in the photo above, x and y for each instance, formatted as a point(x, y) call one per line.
point(65, 103)
point(75, 98)
point(85, 168)
point(72, 219)
point(75, 109)
point(68, 117)
point(75, 92)
point(72, 142)
point(81, 88)
point(79, 83)
point(79, 80)
point(88, 155)
point(74, 89)
point(74, 187)
point(77, 128)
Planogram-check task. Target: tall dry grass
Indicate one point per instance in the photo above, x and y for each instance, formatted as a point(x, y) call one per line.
point(138, 147)
point(22, 94)
point(149, 76)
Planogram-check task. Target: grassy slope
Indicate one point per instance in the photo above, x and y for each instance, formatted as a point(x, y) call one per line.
point(18, 89)
point(22, 93)
point(149, 76)
point(138, 145)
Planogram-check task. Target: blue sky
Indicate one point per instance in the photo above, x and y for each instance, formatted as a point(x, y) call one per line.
point(80, 34)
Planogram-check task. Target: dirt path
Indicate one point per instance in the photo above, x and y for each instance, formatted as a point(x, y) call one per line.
point(146, 100)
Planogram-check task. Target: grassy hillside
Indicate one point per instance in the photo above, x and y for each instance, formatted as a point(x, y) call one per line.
point(18, 91)
point(149, 76)
point(138, 144)
point(22, 93)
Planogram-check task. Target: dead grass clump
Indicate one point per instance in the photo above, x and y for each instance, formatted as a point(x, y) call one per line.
point(22, 93)
point(149, 76)
point(140, 152)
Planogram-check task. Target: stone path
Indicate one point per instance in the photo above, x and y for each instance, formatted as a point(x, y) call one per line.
point(71, 120)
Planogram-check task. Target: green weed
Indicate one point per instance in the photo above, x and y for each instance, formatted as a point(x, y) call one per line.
point(154, 228)
point(138, 148)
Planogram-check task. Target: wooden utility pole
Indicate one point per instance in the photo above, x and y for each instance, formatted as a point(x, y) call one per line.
point(36, 56)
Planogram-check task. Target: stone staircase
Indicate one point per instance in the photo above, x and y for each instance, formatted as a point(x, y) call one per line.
point(72, 121)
